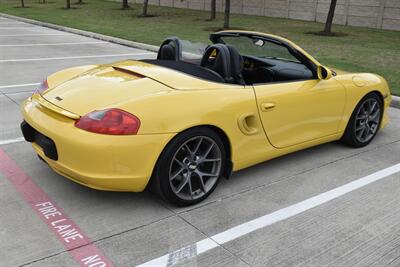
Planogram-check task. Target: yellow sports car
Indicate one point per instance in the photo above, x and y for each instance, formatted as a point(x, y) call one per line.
point(181, 122)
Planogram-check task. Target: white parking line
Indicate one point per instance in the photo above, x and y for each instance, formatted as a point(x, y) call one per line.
point(18, 85)
point(11, 141)
point(74, 57)
point(34, 34)
point(3, 22)
point(19, 28)
point(34, 84)
point(49, 44)
point(214, 241)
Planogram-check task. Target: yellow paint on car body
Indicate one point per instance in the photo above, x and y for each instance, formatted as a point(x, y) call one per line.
point(260, 122)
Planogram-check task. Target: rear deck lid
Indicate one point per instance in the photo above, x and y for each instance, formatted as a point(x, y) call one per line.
point(170, 77)
point(103, 87)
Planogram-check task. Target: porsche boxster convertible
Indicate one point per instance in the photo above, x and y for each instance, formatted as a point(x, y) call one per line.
point(182, 121)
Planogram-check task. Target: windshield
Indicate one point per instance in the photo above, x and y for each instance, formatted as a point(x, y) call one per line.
point(253, 46)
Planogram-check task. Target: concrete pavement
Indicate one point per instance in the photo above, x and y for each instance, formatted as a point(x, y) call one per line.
point(359, 228)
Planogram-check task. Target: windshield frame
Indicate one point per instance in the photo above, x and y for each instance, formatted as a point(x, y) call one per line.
point(303, 59)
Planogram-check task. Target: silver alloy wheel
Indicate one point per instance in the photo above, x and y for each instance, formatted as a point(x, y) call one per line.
point(367, 120)
point(195, 168)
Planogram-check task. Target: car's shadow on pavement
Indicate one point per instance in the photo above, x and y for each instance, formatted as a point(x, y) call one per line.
point(80, 199)
point(287, 166)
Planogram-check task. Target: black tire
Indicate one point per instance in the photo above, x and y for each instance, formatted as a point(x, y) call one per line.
point(162, 172)
point(350, 137)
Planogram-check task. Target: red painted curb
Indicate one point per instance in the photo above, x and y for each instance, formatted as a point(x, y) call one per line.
point(68, 233)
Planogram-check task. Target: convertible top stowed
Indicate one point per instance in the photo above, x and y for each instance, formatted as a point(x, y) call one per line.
point(188, 68)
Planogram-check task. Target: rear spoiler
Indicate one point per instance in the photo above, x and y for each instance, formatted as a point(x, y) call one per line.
point(46, 104)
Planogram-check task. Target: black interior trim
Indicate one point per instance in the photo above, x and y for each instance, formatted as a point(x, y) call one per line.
point(262, 70)
point(187, 68)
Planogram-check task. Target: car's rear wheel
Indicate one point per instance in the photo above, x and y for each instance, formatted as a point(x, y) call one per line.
point(190, 166)
point(364, 122)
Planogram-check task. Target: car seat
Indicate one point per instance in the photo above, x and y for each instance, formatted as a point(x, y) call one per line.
point(170, 49)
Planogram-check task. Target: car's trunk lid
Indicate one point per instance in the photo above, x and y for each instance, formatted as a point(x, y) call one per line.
point(100, 88)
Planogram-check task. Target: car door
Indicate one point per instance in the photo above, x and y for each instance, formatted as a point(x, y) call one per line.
point(300, 111)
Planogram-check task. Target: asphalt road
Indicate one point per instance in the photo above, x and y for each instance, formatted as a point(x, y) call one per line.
point(328, 205)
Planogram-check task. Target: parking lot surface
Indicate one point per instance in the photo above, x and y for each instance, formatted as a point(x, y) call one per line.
point(328, 205)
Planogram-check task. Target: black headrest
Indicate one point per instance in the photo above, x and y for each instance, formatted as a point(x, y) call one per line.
point(166, 52)
point(221, 62)
point(170, 49)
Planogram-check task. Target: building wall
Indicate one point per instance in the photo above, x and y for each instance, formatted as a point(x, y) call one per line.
point(380, 14)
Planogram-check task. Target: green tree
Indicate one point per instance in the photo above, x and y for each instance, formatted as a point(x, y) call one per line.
point(145, 8)
point(213, 9)
point(227, 13)
point(125, 4)
point(329, 18)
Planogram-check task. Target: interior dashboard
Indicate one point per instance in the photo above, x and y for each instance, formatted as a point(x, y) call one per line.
point(263, 70)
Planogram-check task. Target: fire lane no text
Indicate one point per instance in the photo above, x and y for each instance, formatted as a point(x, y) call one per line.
point(68, 233)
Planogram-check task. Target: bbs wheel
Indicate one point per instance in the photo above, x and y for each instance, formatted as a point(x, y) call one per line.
point(364, 122)
point(190, 167)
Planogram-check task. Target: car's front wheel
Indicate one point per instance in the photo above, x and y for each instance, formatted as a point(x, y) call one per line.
point(190, 167)
point(364, 122)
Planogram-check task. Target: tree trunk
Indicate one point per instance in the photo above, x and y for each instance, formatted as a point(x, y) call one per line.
point(145, 6)
point(213, 14)
point(80, 2)
point(68, 6)
point(329, 18)
point(227, 13)
point(125, 4)
point(22, 3)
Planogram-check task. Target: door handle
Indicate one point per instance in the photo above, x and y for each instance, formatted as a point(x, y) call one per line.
point(267, 106)
point(248, 124)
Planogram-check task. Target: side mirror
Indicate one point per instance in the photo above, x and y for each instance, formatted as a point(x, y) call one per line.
point(259, 42)
point(324, 73)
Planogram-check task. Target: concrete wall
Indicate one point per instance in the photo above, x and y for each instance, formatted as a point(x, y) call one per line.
point(380, 14)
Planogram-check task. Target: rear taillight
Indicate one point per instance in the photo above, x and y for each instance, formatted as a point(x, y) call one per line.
point(42, 87)
point(109, 121)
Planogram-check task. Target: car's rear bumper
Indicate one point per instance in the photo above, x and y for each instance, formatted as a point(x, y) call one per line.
point(106, 162)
